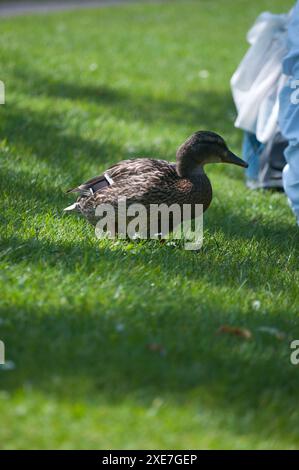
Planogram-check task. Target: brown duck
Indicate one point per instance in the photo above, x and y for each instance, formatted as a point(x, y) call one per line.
point(148, 181)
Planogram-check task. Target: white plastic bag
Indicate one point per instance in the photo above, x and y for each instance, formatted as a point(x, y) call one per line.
point(258, 79)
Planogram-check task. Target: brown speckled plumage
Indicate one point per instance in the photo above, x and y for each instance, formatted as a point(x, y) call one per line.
point(148, 181)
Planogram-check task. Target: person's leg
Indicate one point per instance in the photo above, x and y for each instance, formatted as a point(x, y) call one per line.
point(251, 150)
point(289, 124)
point(289, 113)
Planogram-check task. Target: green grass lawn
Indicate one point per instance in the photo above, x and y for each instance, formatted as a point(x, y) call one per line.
point(87, 89)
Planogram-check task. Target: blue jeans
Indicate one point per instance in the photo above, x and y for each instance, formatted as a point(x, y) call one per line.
point(251, 151)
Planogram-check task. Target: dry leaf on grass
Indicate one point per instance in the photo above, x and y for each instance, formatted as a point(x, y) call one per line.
point(235, 331)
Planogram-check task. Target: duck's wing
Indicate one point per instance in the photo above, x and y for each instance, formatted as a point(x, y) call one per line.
point(92, 186)
point(139, 166)
point(121, 172)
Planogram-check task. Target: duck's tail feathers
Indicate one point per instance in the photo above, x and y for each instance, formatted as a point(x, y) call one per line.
point(92, 186)
point(73, 207)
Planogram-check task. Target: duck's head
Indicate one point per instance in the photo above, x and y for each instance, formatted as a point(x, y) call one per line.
point(204, 147)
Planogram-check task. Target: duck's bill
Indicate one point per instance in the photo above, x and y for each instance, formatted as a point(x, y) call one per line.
point(232, 158)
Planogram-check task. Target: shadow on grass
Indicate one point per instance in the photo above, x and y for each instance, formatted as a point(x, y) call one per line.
point(191, 112)
point(210, 109)
point(78, 353)
point(47, 138)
